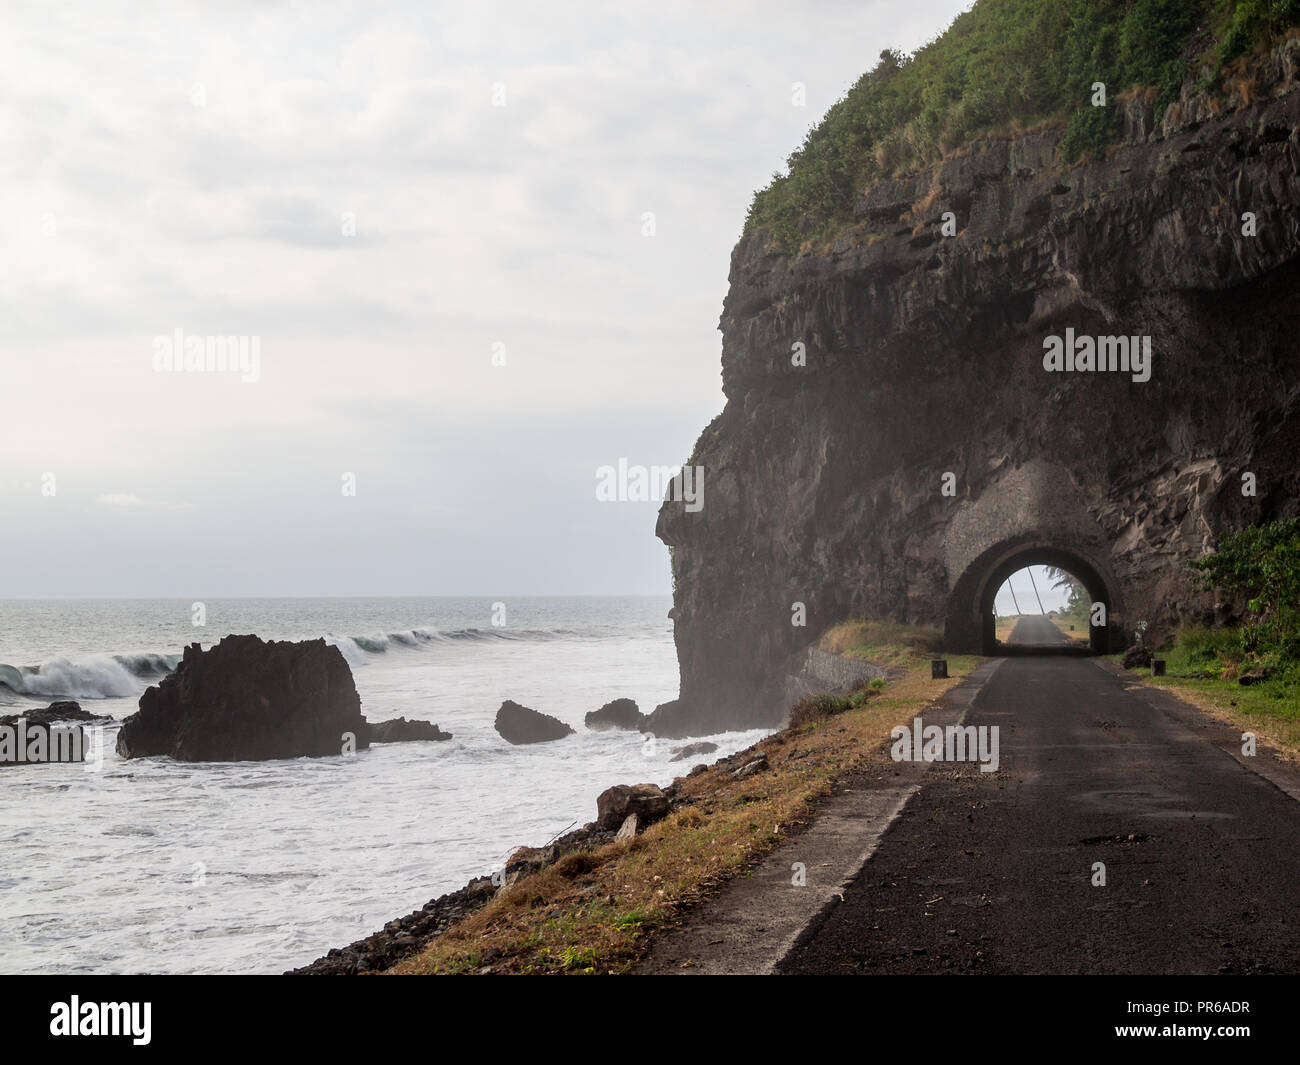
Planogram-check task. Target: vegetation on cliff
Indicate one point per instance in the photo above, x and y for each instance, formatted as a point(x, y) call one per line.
point(1006, 64)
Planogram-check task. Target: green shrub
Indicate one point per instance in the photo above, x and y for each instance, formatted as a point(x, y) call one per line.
point(1261, 565)
point(817, 707)
point(1253, 21)
point(1088, 134)
point(1206, 647)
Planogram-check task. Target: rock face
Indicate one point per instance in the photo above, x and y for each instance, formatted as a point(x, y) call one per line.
point(923, 452)
point(400, 730)
point(621, 713)
point(519, 724)
point(647, 801)
point(246, 699)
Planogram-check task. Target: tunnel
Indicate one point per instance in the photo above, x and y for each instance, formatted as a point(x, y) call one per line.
point(971, 626)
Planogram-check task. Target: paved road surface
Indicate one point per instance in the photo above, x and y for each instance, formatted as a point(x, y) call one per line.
point(994, 872)
point(1036, 632)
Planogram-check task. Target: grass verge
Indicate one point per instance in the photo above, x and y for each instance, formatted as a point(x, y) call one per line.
point(1270, 708)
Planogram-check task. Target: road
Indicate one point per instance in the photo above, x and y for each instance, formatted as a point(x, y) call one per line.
point(1036, 632)
point(998, 872)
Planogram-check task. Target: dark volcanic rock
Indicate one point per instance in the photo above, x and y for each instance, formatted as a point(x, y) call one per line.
point(55, 712)
point(925, 367)
point(680, 754)
point(400, 730)
point(647, 801)
point(1137, 656)
point(621, 713)
point(246, 699)
point(403, 935)
point(32, 742)
point(519, 724)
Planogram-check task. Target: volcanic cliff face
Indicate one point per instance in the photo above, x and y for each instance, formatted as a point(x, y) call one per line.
point(824, 482)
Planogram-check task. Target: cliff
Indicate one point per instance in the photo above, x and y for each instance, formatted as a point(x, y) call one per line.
point(924, 357)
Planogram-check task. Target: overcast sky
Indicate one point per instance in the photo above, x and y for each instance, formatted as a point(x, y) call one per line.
point(384, 195)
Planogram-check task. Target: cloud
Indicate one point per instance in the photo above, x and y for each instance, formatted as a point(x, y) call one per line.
point(192, 169)
point(124, 500)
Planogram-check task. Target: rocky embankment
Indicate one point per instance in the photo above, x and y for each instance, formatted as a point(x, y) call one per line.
point(622, 811)
point(892, 440)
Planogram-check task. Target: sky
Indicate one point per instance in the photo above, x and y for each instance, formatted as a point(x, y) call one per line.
point(1019, 590)
point(480, 251)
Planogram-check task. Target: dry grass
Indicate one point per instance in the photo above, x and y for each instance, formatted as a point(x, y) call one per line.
point(1080, 634)
point(885, 642)
point(594, 912)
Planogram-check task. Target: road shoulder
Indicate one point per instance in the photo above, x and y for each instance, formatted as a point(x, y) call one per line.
point(755, 920)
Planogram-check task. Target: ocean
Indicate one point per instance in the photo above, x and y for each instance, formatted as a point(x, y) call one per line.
point(151, 865)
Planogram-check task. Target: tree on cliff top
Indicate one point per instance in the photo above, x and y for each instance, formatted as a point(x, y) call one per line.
point(1001, 64)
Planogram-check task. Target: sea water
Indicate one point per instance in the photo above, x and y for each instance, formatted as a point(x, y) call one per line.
point(151, 865)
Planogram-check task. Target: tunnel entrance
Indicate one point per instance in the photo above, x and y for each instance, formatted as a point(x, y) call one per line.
point(972, 621)
point(1042, 610)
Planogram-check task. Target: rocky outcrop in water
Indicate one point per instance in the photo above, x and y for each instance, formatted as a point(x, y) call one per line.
point(618, 714)
point(47, 734)
point(66, 710)
point(893, 445)
point(400, 730)
point(692, 750)
point(520, 724)
point(246, 699)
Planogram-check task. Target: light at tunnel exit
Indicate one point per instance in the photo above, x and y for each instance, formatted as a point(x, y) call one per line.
point(1019, 588)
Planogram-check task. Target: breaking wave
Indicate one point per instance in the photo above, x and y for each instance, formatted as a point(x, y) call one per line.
point(357, 650)
point(109, 676)
point(90, 677)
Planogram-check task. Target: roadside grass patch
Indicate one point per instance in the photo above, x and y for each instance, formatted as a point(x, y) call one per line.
point(884, 642)
point(1203, 666)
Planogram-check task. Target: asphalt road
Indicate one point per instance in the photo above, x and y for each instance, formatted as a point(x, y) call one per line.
point(1036, 632)
point(996, 872)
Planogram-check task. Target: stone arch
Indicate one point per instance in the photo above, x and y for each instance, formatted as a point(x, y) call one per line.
point(969, 625)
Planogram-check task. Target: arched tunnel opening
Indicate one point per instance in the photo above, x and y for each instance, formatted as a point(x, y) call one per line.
point(973, 622)
point(1042, 610)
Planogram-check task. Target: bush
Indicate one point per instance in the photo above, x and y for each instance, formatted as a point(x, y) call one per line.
point(817, 707)
point(1088, 133)
point(1261, 564)
point(1252, 22)
point(1205, 646)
